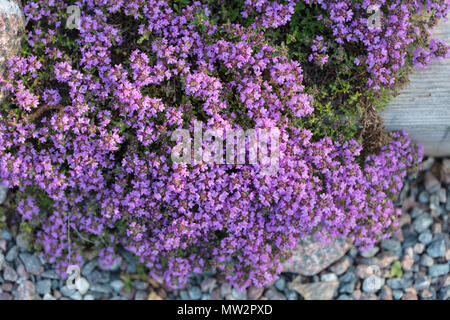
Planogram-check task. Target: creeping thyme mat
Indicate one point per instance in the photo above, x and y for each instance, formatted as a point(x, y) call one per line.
point(412, 265)
point(87, 133)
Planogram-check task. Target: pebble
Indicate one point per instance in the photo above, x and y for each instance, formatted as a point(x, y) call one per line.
point(432, 184)
point(437, 249)
point(327, 277)
point(195, 293)
point(117, 285)
point(273, 294)
point(372, 284)
point(422, 222)
point(83, 286)
point(341, 266)
point(254, 293)
point(9, 274)
point(315, 290)
point(89, 267)
point(422, 283)
point(437, 270)
point(280, 284)
point(426, 237)
point(426, 260)
point(44, 287)
point(370, 253)
point(32, 263)
point(392, 245)
point(12, 254)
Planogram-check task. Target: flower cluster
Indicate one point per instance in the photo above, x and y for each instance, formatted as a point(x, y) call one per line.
point(386, 29)
point(91, 128)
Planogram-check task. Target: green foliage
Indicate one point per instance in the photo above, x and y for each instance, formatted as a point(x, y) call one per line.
point(396, 269)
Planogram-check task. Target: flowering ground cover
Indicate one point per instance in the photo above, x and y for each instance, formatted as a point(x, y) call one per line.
point(87, 133)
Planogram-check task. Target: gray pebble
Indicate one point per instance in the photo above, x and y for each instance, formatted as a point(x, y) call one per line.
point(422, 283)
point(32, 263)
point(140, 295)
point(50, 274)
point(399, 283)
point(184, 295)
point(48, 296)
point(89, 267)
point(426, 237)
point(89, 297)
point(2, 260)
point(426, 260)
point(280, 284)
point(83, 285)
point(238, 295)
point(195, 293)
point(65, 291)
point(44, 287)
point(12, 254)
point(9, 274)
point(424, 197)
point(437, 270)
point(444, 293)
point(422, 222)
point(437, 249)
point(101, 288)
point(392, 245)
point(372, 284)
point(117, 285)
point(397, 294)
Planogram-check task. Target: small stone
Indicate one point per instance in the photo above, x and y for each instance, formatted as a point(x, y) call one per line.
point(83, 285)
point(2, 260)
point(280, 284)
point(66, 292)
point(140, 295)
point(341, 266)
point(117, 285)
point(76, 296)
point(113, 267)
point(427, 164)
point(386, 259)
point(5, 296)
point(410, 294)
point(12, 254)
point(432, 184)
point(445, 281)
point(370, 253)
point(437, 249)
point(44, 287)
point(422, 222)
point(447, 254)
point(6, 286)
point(215, 294)
point(22, 272)
point(32, 263)
point(26, 291)
point(311, 256)
point(48, 296)
point(422, 283)
point(239, 295)
point(347, 287)
point(399, 283)
point(9, 274)
point(368, 296)
point(89, 297)
point(254, 293)
point(386, 293)
point(195, 293)
point(397, 294)
point(89, 267)
point(419, 248)
point(426, 237)
point(444, 293)
point(392, 245)
point(101, 288)
point(327, 277)
point(372, 284)
point(437, 270)
point(225, 289)
point(207, 284)
point(290, 294)
point(424, 197)
point(50, 274)
point(273, 294)
point(426, 260)
point(365, 271)
point(140, 285)
point(408, 259)
point(348, 277)
point(315, 290)
point(426, 294)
